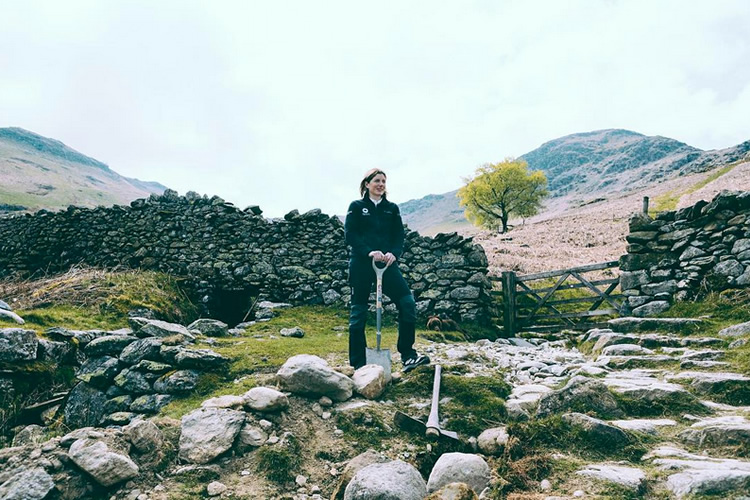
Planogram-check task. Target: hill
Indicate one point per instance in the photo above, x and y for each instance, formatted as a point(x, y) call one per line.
point(584, 167)
point(39, 172)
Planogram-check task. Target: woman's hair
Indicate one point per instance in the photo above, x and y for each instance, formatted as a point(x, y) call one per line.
point(369, 175)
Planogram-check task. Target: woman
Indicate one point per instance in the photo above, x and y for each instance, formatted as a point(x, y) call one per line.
point(374, 231)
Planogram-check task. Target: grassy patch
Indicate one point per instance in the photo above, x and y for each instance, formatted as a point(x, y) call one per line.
point(363, 426)
point(210, 385)
point(676, 406)
point(669, 200)
point(552, 434)
point(280, 463)
point(96, 299)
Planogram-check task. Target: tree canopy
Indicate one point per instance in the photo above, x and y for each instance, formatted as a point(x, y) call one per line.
point(498, 191)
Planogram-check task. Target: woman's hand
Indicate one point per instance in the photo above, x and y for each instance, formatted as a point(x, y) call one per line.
point(377, 255)
point(389, 258)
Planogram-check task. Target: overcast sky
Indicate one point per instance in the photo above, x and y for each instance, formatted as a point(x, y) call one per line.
point(285, 104)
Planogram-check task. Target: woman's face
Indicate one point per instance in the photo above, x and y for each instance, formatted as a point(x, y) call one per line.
point(376, 186)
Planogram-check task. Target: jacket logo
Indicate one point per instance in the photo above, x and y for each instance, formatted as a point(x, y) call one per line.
point(365, 211)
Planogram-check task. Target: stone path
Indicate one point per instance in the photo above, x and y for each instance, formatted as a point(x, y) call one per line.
point(681, 393)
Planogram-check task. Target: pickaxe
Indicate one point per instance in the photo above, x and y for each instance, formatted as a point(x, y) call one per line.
point(432, 429)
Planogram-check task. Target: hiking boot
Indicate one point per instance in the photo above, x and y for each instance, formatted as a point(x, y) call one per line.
point(413, 362)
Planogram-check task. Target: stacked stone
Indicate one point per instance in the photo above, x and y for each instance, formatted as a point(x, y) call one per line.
point(705, 247)
point(131, 373)
point(301, 259)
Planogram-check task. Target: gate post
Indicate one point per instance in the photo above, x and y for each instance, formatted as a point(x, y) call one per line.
point(509, 302)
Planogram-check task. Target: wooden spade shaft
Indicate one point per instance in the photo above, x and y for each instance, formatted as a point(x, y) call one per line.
point(433, 422)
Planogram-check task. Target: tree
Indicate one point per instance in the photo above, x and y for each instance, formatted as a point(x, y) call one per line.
point(501, 190)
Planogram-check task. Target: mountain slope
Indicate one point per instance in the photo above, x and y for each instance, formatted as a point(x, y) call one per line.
point(588, 166)
point(37, 172)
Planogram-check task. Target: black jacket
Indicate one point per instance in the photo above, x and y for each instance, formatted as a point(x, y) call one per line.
point(369, 227)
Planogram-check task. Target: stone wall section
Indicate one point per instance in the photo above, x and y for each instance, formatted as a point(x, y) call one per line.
point(301, 259)
point(680, 254)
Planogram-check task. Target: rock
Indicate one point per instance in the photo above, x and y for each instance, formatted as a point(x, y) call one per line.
point(10, 314)
point(28, 484)
point(648, 426)
point(84, 406)
point(731, 388)
point(579, 394)
point(208, 432)
point(29, 435)
point(454, 491)
point(492, 441)
point(144, 435)
point(649, 392)
point(150, 403)
point(106, 466)
point(227, 401)
point(651, 309)
point(199, 358)
point(628, 477)
point(158, 328)
point(132, 382)
point(674, 325)
point(605, 435)
point(62, 353)
point(147, 348)
point(394, 480)
point(295, 332)
point(17, 344)
point(307, 374)
point(209, 327)
point(370, 381)
point(352, 467)
point(459, 468)
point(109, 345)
point(735, 330)
point(625, 350)
point(265, 399)
point(215, 488)
point(700, 474)
point(148, 366)
point(720, 431)
point(252, 436)
point(178, 382)
point(99, 372)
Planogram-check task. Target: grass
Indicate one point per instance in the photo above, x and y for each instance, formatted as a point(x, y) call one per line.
point(669, 200)
point(553, 434)
point(280, 462)
point(87, 298)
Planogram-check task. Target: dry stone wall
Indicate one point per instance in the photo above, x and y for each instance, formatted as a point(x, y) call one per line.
point(679, 254)
point(228, 255)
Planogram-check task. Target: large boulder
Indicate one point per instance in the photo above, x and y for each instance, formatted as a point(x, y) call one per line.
point(177, 382)
point(27, 484)
point(307, 374)
point(394, 480)
point(208, 432)
point(460, 468)
point(265, 399)
point(370, 381)
point(84, 406)
point(106, 465)
point(17, 344)
point(580, 394)
point(353, 466)
point(144, 327)
point(147, 348)
point(209, 327)
point(109, 345)
point(144, 435)
point(600, 432)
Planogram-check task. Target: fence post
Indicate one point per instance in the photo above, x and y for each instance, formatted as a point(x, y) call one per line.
point(645, 205)
point(509, 303)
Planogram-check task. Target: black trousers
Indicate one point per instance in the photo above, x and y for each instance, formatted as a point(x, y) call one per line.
point(361, 279)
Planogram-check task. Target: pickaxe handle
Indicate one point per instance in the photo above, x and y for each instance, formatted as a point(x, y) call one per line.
point(433, 422)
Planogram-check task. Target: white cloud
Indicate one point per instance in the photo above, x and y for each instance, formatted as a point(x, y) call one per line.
point(285, 104)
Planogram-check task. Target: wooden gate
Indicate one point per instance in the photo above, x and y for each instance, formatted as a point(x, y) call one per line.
point(565, 299)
